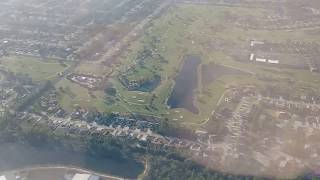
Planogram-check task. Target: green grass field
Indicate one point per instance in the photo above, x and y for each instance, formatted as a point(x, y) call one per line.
point(74, 95)
point(93, 68)
point(38, 69)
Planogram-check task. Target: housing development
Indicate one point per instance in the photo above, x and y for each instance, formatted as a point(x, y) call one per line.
point(232, 85)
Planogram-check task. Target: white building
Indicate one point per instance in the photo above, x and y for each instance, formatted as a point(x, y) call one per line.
point(273, 61)
point(251, 57)
point(253, 43)
point(261, 60)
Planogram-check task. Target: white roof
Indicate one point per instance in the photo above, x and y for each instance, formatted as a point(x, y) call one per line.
point(3, 178)
point(80, 177)
point(251, 56)
point(261, 60)
point(253, 42)
point(273, 61)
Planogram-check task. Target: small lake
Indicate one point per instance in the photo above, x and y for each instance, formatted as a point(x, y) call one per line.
point(182, 95)
point(15, 156)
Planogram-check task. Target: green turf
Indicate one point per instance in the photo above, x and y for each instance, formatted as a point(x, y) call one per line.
point(38, 69)
point(74, 95)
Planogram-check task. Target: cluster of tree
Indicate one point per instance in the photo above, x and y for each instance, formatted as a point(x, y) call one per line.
point(145, 84)
point(111, 93)
point(28, 100)
point(152, 103)
point(45, 52)
point(149, 84)
point(38, 134)
point(143, 55)
point(167, 128)
point(100, 118)
point(13, 129)
point(7, 127)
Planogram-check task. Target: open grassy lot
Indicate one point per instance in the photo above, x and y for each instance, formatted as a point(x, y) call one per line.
point(72, 95)
point(131, 101)
point(38, 69)
point(93, 68)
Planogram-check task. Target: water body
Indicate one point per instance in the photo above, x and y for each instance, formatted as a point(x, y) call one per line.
point(16, 156)
point(182, 95)
point(150, 85)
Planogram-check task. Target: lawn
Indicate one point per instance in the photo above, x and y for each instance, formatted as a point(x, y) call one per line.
point(93, 68)
point(73, 95)
point(38, 69)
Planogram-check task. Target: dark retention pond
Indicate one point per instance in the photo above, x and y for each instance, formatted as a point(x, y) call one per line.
point(15, 156)
point(182, 95)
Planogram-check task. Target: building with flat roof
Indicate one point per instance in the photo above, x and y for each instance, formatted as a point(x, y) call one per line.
point(273, 61)
point(261, 60)
point(251, 57)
